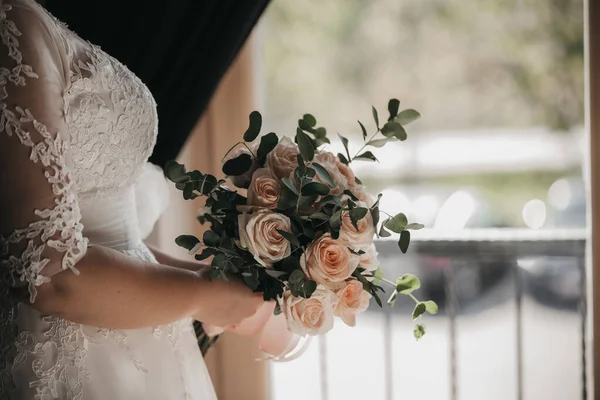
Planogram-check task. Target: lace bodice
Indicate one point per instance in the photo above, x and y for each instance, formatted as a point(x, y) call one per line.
point(78, 126)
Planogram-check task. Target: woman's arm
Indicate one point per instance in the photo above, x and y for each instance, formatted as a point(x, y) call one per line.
point(164, 258)
point(116, 291)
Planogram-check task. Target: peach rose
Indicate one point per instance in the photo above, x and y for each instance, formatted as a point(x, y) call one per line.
point(351, 300)
point(328, 262)
point(368, 260)
point(330, 162)
point(313, 316)
point(264, 189)
point(242, 181)
point(283, 159)
point(357, 238)
point(258, 233)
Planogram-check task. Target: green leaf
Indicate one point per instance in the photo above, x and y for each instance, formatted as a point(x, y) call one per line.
point(431, 307)
point(407, 116)
point(211, 239)
point(289, 264)
point(392, 300)
point(287, 199)
point(393, 106)
point(367, 155)
point(419, 331)
point(319, 216)
point(175, 172)
point(307, 201)
point(315, 188)
point(375, 116)
point(419, 310)
point(305, 126)
point(206, 184)
point(345, 143)
point(219, 261)
point(358, 181)
point(251, 281)
point(415, 227)
point(349, 193)
point(255, 123)
point(382, 231)
point(394, 129)
point(305, 145)
point(237, 166)
point(321, 133)
point(404, 241)
point(275, 274)
point(397, 224)
point(378, 274)
point(310, 172)
point(206, 253)
point(323, 174)
point(290, 237)
point(267, 144)
point(343, 158)
point(380, 142)
point(312, 121)
point(375, 216)
point(356, 214)
point(330, 199)
point(290, 185)
point(336, 219)
point(300, 161)
point(364, 131)
point(407, 284)
point(187, 241)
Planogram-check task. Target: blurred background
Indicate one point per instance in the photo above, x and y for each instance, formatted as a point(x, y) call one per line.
point(494, 170)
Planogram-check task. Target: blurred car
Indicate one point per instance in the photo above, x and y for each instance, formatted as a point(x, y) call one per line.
point(556, 281)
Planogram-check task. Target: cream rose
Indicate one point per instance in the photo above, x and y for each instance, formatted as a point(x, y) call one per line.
point(330, 162)
point(264, 189)
point(328, 262)
point(283, 159)
point(368, 260)
point(258, 233)
point(357, 238)
point(242, 181)
point(313, 316)
point(351, 299)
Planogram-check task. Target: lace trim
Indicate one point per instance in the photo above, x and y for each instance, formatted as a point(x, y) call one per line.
point(63, 219)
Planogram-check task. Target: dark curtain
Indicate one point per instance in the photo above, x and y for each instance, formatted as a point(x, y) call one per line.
point(180, 49)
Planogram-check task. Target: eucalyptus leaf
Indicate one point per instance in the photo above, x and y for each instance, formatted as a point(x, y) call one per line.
point(414, 226)
point(211, 239)
point(358, 181)
point(336, 219)
point(290, 185)
point(251, 281)
point(187, 241)
point(287, 199)
point(312, 121)
point(307, 201)
point(375, 116)
point(321, 133)
point(407, 284)
point(290, 237)
point(267, 144)
point(343, 158)
point(317, 188)
point(305, 126)
point(323, 174)
point(175, 171)
point(238, 166)
point(345, 143)
point(431, 307)
point(394, 129)
point(404, 241)
point(419, 331)
point(383, 232)
point(255, 123)
point(397, 224)
point(356, 214)
point(375, 215)
point(380, 142)
point(275, 274)
point(300, 161)
point(364, 131)
point(367, 155)
point(407, 116)
point(207, 252)
point(305, 145)
point(419, 310)
point(319, 216)
point(393, 106)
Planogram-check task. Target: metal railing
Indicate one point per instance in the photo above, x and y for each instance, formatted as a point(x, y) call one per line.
point(479, 246)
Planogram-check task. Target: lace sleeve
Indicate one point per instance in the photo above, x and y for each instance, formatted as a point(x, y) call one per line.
point(40, 229)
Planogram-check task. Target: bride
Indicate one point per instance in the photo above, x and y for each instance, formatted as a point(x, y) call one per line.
point(76, 130)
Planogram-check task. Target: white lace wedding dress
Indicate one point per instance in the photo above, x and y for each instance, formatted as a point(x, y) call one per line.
point(76, 130)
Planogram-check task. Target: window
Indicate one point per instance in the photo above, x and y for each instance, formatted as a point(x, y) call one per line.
point(494, 170)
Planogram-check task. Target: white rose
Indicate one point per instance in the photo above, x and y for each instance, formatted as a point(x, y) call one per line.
point(258, 233)
point(283, 159)
point(313, 316)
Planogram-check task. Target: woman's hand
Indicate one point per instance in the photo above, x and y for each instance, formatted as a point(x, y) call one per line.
point(230, 302)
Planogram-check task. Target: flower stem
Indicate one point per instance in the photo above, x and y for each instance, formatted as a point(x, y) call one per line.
point(365, 145)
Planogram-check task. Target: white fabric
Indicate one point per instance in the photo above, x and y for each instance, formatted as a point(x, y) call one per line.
point(76, 130)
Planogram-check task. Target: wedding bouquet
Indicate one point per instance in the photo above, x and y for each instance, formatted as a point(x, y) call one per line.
point(303, 233)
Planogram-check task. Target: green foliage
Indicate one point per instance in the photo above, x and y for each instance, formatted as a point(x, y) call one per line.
point(255, 123)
